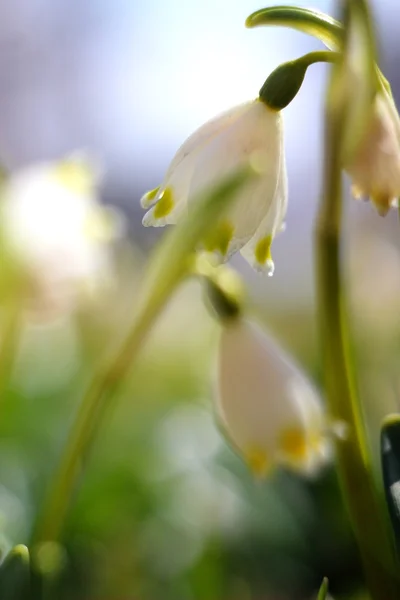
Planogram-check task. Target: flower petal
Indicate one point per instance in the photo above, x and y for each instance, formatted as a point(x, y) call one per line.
point(257, 251)
point(177, 179)
point(268, 408)
point(256, 135)
point(375, 169)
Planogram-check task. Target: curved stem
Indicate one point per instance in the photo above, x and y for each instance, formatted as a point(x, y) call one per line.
point(327, 56)
point(354, 466)
point(167, 269)
point(90, 414)
point(311, 22)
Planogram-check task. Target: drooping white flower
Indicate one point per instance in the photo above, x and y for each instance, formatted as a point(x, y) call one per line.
point(54, 228)
point(375, 168)
point(269, 410)
point(251, 131)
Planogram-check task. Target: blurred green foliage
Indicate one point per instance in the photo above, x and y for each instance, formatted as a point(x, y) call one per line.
point(164, 508)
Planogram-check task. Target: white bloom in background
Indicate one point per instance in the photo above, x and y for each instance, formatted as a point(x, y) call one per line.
point(54, 228)
point(269, 410)
point(375, 169)
point(249, 132)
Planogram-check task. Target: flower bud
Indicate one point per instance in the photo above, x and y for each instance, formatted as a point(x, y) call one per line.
point(283, 84)
point(269, 410)
point(375, 167)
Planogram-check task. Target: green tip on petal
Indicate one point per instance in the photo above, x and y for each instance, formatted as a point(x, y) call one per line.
point(165, 204)
point(148, 199)
point(219, 238)
point(262, 251)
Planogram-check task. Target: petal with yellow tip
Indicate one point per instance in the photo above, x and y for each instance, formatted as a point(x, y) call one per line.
point(266, 405)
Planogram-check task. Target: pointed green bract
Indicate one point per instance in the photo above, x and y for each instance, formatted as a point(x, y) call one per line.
point(15, 574)
point(323, 590)
point(309, 21)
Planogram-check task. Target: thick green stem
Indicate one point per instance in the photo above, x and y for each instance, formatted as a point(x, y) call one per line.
point(354, 466)
point(9, 346)
point(167, 269)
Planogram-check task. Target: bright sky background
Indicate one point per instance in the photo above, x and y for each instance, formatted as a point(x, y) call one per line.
point(131, 79)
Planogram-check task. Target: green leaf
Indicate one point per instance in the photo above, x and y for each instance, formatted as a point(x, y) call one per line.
point(323, 590)
point(309, 21)
point(15, 574)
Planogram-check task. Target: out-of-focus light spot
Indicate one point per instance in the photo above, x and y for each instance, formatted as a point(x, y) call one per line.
point(186, 439)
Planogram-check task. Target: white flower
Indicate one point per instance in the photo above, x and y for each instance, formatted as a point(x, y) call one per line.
point(269, 410)
point(57, 233)
point(375, 169)
point(251, 131)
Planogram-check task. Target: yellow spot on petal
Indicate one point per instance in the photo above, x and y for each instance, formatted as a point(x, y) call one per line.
point(382, 203)
point(262, 251)
point(149, 197)
point(152, 193)
point(76, 176)
point(164, 205)
point(258, 461)
point(219, 238)
point(293, 443)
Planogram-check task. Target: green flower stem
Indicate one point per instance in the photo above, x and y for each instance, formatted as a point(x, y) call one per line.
point(311, 22)
point(367, 517)
point(167, 269)
point(327, 56)
point(10, 336)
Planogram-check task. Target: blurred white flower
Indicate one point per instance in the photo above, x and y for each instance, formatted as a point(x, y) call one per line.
point(55, 230)
point(267, 407)
point(375, 168)
point(249, 132)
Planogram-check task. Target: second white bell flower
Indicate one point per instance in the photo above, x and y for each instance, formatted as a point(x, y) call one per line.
point(249, 132)
point(375, 168)
point(269, 410)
